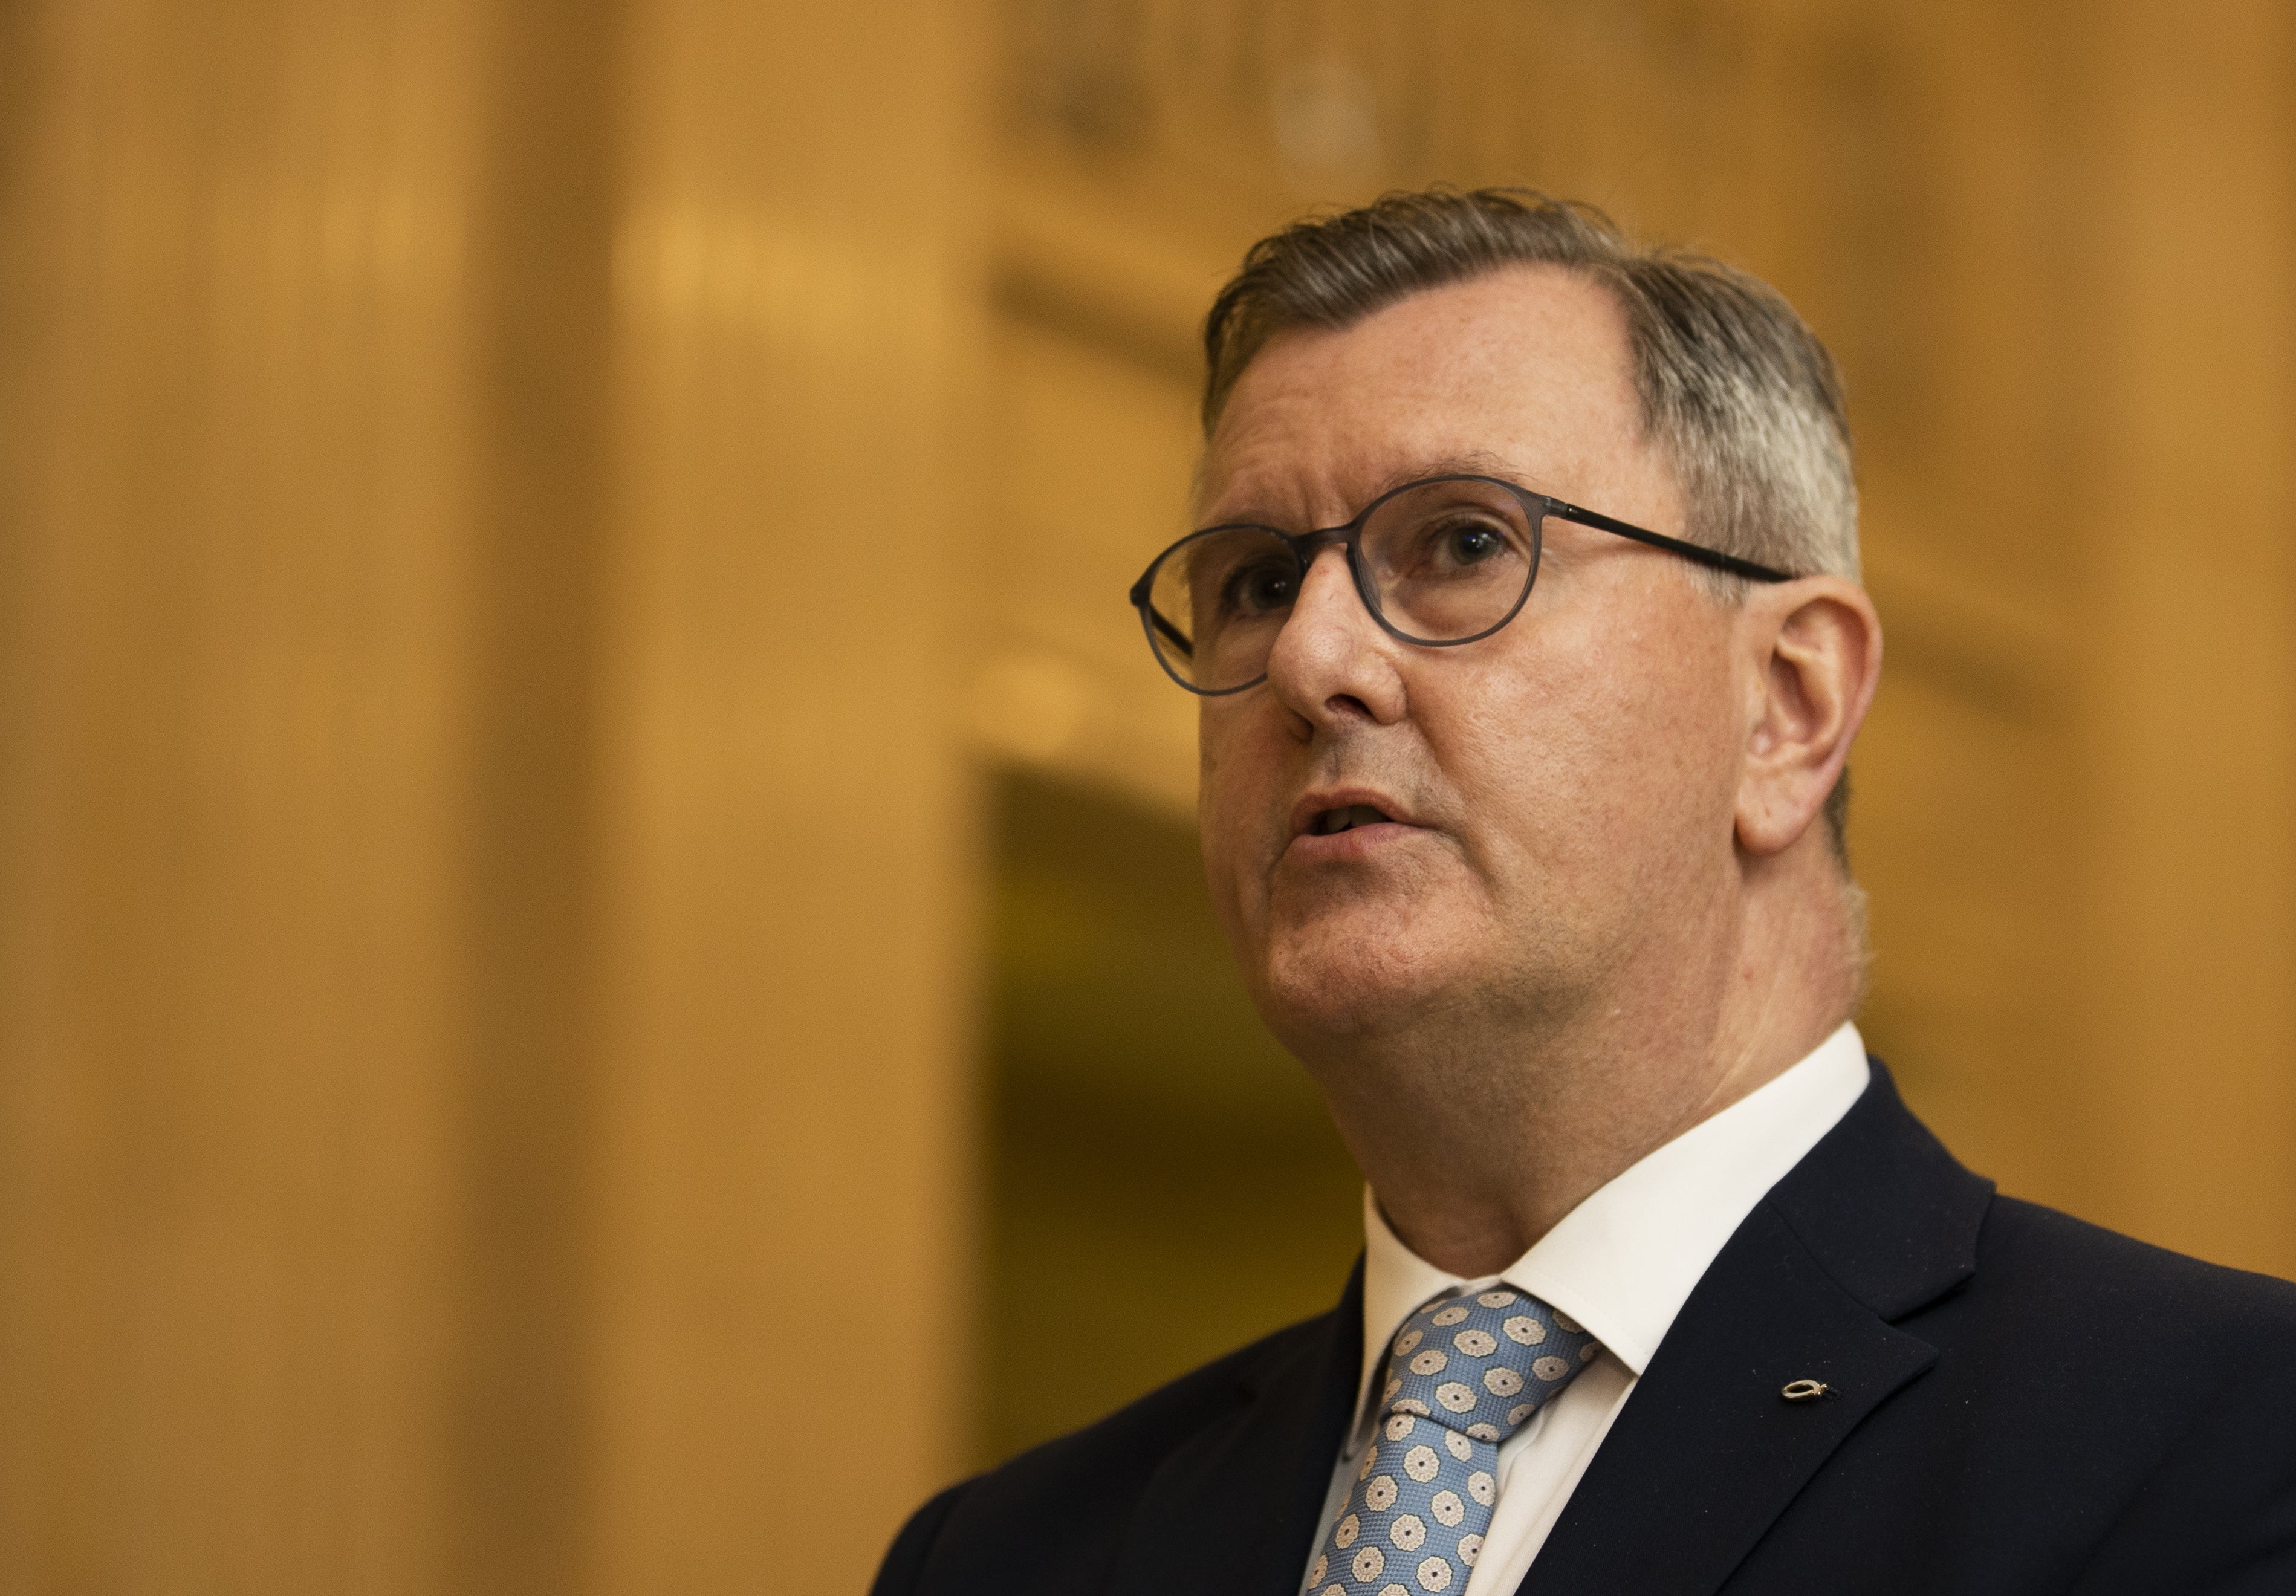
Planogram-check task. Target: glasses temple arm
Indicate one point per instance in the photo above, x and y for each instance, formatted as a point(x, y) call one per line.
point(1714, 558)
point(1172, 634)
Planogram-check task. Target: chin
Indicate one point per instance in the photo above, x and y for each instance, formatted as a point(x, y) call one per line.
point(1330, 983)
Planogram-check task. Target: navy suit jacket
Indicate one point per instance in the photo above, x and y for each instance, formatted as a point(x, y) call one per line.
point(2020, 1403)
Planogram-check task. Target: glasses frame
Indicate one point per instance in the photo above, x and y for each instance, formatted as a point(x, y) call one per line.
point(1304, 545)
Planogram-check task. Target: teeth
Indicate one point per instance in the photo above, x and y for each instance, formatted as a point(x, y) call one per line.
point(1332, 821)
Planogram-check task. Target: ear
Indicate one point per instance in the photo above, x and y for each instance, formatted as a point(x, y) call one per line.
point(1814, 647)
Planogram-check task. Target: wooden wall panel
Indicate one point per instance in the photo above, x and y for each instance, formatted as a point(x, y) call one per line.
point(786, 1233)
point(2187, 485)
point(521, 1392)
point(482, 846)
point(1092, 452)
point(236, 415)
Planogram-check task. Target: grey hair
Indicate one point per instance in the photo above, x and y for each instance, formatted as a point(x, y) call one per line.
point(1736, 388)
point(1737, 392)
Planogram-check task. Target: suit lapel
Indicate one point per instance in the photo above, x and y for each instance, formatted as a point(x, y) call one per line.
point(1706, 1451)
point(1877, 1221)
point(1234, 1512)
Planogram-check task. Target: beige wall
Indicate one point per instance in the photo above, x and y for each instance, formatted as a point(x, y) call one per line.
point(2187, 632)
point(522, 524)
point(783, 1208)
point(239, 398)
point(484, 850)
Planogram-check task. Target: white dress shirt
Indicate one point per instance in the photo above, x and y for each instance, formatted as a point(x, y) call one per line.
point(1622, 1264)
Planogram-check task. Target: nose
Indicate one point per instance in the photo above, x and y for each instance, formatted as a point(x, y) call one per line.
point(1331, 661)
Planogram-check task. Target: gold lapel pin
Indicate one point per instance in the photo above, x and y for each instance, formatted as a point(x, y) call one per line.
point(1806, 1390)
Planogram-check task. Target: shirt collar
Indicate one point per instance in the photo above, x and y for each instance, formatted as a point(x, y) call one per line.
point(1624, 1260)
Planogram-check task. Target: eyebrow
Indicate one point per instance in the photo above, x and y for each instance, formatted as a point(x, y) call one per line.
point(1475, 463)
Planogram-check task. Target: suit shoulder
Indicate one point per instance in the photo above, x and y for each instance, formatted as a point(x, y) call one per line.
point(1044, 1519)
point(2074, 1259)
point(2163, 1384)
point(2089, 1295)
point(1138, 1434)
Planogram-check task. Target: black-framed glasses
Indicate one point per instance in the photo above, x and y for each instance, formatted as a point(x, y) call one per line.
point(1439, 563)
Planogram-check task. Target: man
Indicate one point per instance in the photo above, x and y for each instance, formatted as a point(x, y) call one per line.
point(1542, 880)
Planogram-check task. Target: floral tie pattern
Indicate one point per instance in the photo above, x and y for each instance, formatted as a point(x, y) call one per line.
point(1466, 1373)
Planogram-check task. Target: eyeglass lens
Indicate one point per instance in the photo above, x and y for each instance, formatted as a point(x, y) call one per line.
point(1448, 560)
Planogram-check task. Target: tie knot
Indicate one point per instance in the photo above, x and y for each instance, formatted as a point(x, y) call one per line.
point(1481, 1363)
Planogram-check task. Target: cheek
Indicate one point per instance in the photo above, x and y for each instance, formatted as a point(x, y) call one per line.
point(1667, 733)
point(1600, 752)
point(1223, 874)
point(1229, 799)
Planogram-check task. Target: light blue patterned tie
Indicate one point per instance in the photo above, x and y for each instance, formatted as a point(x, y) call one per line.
point(1467, 1373)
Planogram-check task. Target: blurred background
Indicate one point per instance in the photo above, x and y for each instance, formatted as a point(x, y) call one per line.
point(601, 976)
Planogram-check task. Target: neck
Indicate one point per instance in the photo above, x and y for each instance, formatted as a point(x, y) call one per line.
point(1477, 1135)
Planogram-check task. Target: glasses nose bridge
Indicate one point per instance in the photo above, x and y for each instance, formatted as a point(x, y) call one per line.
point(1306, 546)
point(1348, 537)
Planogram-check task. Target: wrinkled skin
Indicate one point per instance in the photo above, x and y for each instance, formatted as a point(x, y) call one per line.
point(1603, 906)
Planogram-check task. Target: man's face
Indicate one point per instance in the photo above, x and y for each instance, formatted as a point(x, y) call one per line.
point(1559, 796)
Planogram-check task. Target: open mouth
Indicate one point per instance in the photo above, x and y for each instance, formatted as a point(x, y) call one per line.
point(1331, 823)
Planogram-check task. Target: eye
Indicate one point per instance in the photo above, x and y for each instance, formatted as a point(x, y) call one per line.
point(1469, 543)
point(1259, 588)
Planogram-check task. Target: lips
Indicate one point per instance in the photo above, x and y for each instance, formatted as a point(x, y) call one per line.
point(1324, 817)
point(1331, 823)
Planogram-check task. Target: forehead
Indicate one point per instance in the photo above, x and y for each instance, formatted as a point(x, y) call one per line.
point(1527, 369)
